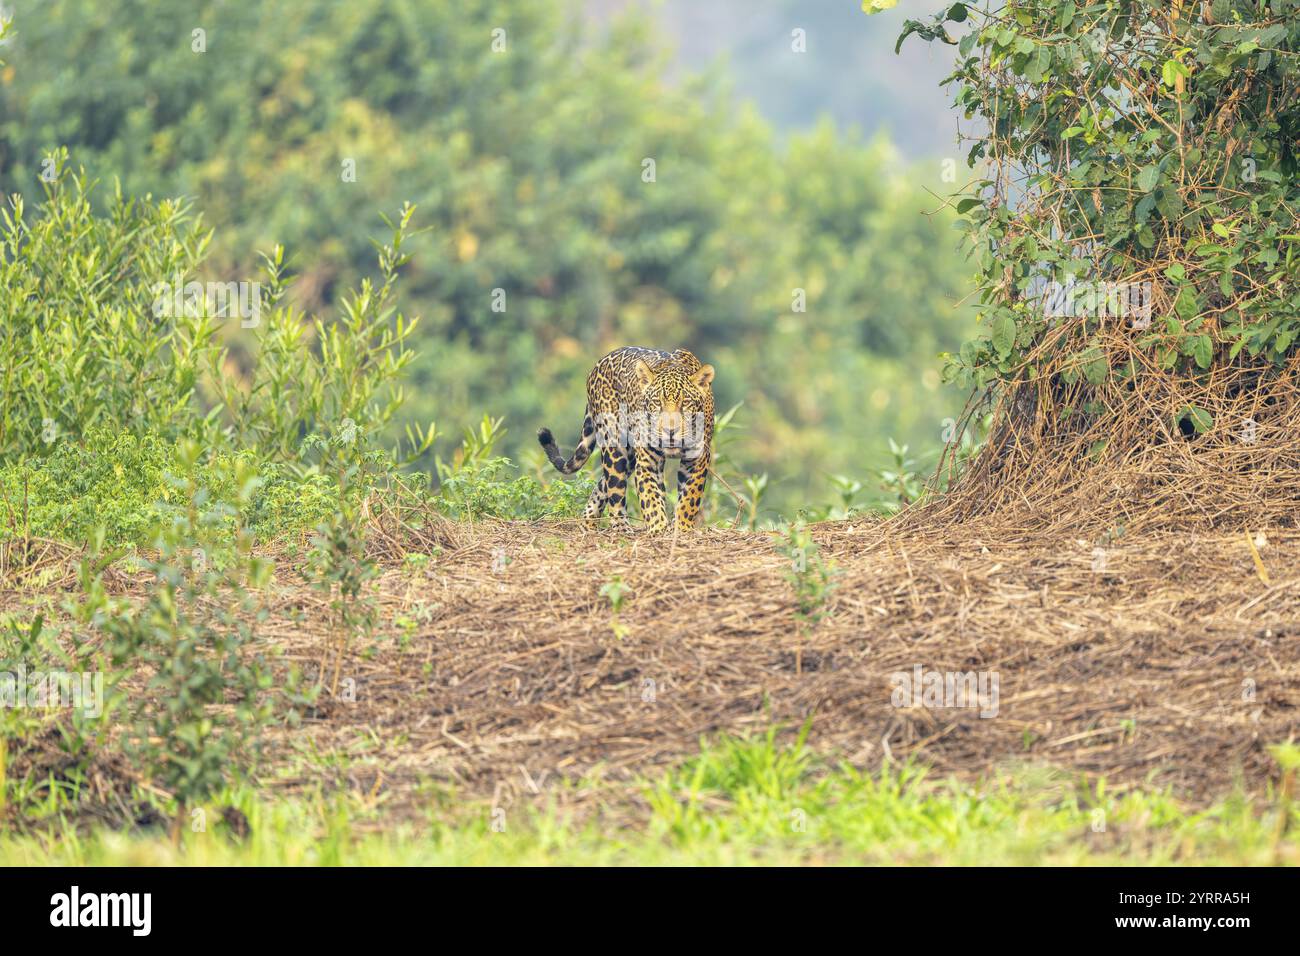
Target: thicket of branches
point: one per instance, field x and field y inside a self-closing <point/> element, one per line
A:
<point x="1133" y="218"/>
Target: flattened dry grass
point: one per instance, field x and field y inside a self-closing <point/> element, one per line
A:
<point x="1161" y="658"/>
<point x="1140" y="612"/>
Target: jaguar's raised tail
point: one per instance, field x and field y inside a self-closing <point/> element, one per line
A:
<point x="580" y="454"/>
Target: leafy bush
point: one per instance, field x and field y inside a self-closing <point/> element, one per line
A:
<point x="1142" y="144"/>
<point x="475" y="483"/>
<point x="114" y="480"/>
<point x="288" y="501"/>
<point x="488" y="490"/>
<point x="344" y="385"/>
<point x="130" y="487"/>
<point x="80" y="345"/>
<point x="210" y="690"/>
<point x="99" y="385"/>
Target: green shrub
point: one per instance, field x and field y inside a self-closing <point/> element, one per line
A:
<point x="131" y="486"/>
<point x="494" y="489"/>
<point x="1179" y="190"/>
<point x="98" y="386"/>
<point x="340" y="384"/>
<point x="476" y="483"/>
<point x="287" y="501"/>
<point x="194" y="636"/>
<point x="80" y="345"/>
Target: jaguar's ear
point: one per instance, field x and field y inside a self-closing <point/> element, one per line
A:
<point x="643" y="374"/>
<point x="703" y="377"/>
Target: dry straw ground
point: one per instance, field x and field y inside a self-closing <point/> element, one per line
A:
<point x="1168" y="658"/>
<point x="1158" y="657"/>
<point x="1161" y="658"/>
<point x="1132" y="580"/>
<point x="1141" y="613"/>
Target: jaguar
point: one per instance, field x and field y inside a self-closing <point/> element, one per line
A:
<point x="644" y="406"/>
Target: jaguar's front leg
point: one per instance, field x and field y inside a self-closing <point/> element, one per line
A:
<point x="650" y="488"/>
<point x="692" y="478"/>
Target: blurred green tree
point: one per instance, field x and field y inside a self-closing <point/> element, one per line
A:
<point x="575" y="202"/>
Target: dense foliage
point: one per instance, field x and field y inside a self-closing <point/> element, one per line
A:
<point x="79" y="343"/>
<point x="1129" y="154"/>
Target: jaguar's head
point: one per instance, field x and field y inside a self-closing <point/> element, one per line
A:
<point x="678" y="396"/>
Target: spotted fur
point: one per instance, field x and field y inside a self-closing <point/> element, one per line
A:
<point x="644" y="406"/>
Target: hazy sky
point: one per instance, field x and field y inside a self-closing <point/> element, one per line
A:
<point x="849" y="71"/>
